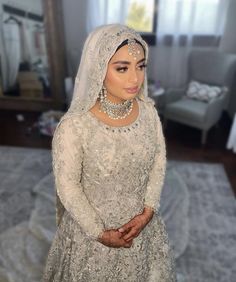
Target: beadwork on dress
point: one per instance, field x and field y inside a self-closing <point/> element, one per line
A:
<point x="104" y="176"/>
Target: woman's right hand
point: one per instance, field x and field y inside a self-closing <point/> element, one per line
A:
<point x="113" y="238"/>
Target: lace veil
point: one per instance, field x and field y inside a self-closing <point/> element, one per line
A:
<point x="98" y="49"/>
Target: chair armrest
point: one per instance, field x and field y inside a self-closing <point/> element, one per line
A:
<point x="214" y="109"/>
<point x="172" y="95"/>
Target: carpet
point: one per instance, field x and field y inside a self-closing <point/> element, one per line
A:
<point x="211" y="252"/>
<point x="20" y="170"/>
<point x="205" y="233"/>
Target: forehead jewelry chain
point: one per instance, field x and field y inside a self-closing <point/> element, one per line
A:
<point x="133" y="48"/>
<point x="114" y="111"/>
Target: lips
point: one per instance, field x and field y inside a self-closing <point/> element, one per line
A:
<point x="132" y="90"/>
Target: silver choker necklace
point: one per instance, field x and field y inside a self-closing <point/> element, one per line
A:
<point x="116" y="111"/>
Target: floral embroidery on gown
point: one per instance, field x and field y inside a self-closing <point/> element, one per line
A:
<point x="104" y="176"/>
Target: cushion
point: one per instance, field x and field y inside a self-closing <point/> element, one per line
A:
<point x="187" y="109"/>
<point x="204" y="92"/>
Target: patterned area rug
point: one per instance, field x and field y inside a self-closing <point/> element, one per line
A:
<point x="209" y="252"/>
<point x="20" y="170"/>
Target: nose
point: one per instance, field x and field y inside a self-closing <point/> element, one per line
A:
<point x="133" y="77"/>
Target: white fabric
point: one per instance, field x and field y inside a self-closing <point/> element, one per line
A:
<point x="102" y="12"/>
<point x="12" y="46"/>
<point x="231" y="144"/>
<point x="99" y="47"/>
<point x="204" y="92"/>
<point x="26" y="43"/>
<point x="191" y="17"/>
<point x="68" y="89"/>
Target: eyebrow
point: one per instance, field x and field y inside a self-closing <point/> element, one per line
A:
<point x="127" y="62"/>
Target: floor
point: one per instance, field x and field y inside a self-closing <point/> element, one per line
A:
<point x="21" y="133"/>
<point x="183" y="143"/>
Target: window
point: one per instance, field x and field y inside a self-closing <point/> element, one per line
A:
<point x="139" y="14"/>
<point x="142" y="17"/>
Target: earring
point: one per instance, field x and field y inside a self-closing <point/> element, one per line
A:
<point x="103" y="93"/>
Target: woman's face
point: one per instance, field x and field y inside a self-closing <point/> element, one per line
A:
<point x="125" y="74"/>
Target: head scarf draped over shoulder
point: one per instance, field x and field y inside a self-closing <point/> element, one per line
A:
<point x="99" y="47"/>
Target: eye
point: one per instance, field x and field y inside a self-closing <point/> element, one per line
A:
<point x="142" y="67"/>
<point x="122" y="69"/>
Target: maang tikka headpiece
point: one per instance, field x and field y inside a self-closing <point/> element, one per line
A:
<point x="133" y="48"/>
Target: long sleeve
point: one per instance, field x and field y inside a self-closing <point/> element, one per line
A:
<point x="67" y="153"/>
<point x="157" y="173"/>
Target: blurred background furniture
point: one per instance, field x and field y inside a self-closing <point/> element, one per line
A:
<point x="231" y="143"/>
<point x="28" y="46"/>
<point x="158" y="95"/>
<point x="213" y="68"/>
<point x="30" y="85"/>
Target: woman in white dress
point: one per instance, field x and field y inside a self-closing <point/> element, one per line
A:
<point x="109" y="162"/>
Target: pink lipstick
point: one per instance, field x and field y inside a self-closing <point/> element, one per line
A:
<point x="132" y="90"/>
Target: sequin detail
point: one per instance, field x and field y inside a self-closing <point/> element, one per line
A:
<point x="103" y="179"/>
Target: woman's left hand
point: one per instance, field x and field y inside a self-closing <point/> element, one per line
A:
<point x="132" y="229"/>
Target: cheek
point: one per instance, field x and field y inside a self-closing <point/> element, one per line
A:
<point x="141" y="77"/>
<point x="113" y="80"/>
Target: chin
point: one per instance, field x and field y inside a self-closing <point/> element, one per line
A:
<point x="131" y="97"/>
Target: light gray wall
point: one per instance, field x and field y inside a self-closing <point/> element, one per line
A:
<point x="74" y="13"/>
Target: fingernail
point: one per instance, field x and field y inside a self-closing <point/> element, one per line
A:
<point x="121" y="230"/>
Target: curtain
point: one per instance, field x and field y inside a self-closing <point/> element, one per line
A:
<point x="27" y="41"/>
<point x="179" y="22"/>
<point x="102" y="12"/>
<point x="11" y="36"/>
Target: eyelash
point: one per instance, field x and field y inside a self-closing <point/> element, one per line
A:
<point x="123" y="69"/>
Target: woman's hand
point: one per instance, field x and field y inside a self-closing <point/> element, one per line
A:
<point x="113" y="238"/>
<point x="132" y="229"/>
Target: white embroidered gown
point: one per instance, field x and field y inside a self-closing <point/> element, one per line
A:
<point x="104" y="176"/>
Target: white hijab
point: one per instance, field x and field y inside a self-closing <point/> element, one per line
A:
<point x="99" y="47"/>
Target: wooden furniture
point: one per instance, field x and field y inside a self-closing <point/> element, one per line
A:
<point x="29" y="84"/>
<point x="53" y="23"/>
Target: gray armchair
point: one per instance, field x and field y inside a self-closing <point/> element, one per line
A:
<point x="210" y="67"/>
